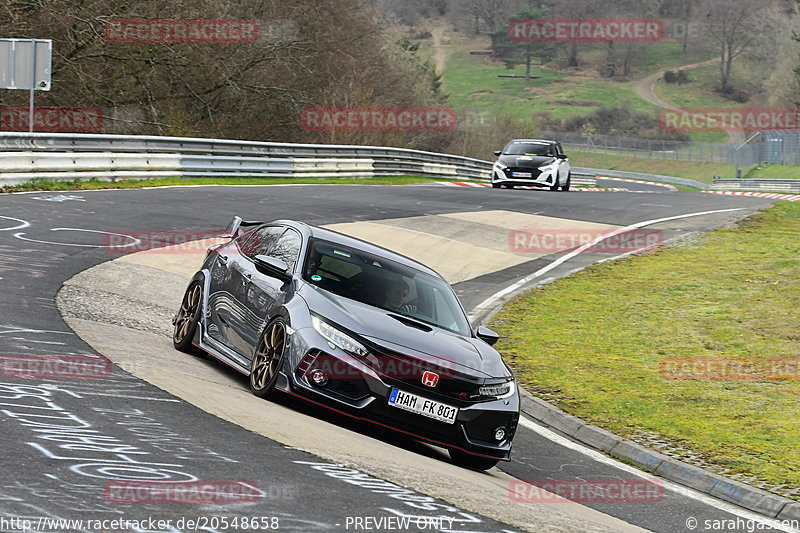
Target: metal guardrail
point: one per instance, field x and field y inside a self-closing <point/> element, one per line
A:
<point x="639" y="176"/>
<point x="758" y="184"/>
<point x="69" y="156"/>
<point x="24" y="156"/>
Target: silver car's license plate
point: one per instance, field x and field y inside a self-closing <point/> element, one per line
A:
<point x="423" y="406"/>
<point x="521" y="174"/>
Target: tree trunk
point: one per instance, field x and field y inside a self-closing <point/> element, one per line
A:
<point x="685" y="35"/>
<point x="723" y="74"/>
<point x="573" y="54"/>
<point x="528" y="72"/>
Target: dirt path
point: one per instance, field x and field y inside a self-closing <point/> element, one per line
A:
<point x="441" y="54"/>
<point x="646" y="89"/>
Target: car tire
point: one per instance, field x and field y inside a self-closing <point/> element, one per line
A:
<point x="495" y="185"/>
<point x="565" y="187"/>
<point x="509" y="186"/>
<point x="473" y="462"/>
<point x="554" y="186"/>
<point x="187" y="318"/>
<point x="268" y="359"/>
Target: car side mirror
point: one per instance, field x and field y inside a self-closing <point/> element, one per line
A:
<point x="498" y="152"/>
<point x="562" y="156"/>
<point x="272" y="266"/>
<point x="487" y="335"/>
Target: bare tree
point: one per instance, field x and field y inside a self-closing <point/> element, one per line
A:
<point x="252" y="90"/>
<point x="576" y="9"/>
<point x="488" y="14"/>
<point x="734" y="25"/>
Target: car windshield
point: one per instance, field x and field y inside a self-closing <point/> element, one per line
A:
<point x="520" y="148"/>
<point x="383" y="283"/>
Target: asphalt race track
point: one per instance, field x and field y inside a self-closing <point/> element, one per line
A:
<point x="64" y="442"/>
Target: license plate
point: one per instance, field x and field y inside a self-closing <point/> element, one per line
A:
<point x="423" y="406"/>
<point x="521" y="174"/>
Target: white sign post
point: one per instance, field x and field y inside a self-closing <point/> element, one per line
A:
<point x="26" y="64"/>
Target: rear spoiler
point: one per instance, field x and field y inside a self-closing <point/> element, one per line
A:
<point x="237" y="226"/>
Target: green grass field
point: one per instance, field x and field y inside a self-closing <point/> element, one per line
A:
<point x="474" y="90"/>
<point x="594" y="344"/>
<point x="473" y="85"/>
<point x="669" y="55"/>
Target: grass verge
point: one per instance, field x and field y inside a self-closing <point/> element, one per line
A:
<point x="594" y="344"/>
<point x="44" y="185"/>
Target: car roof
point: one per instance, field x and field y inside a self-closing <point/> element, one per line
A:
<point x="316" y="232"/>
<point x="538" y="141"/>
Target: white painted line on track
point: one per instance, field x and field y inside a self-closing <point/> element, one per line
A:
<point x="134" y="240"/>
<point x="22" y="223"/>
<point x="674" y="487"/>
<point x="492" y="300"/>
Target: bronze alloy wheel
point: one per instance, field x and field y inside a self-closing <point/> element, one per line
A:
<point x="267" y="359"/>
<point x="187" y="318"/>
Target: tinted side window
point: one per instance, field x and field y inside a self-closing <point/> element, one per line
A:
<point x="260" y="240"/>
<point x="287" y="248"/>
<point x="245" y="241"/>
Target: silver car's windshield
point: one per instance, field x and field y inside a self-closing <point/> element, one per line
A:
<point x="383" y="283"/>
<point x="520" y="148"/>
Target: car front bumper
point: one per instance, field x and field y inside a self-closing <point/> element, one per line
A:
<point x="535" y="177"/>
<point x="362" y="393"/>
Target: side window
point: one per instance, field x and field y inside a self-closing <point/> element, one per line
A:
<point x="559" y="149"/>
<point x="262" y="241"/>
<point x="245" y="241"/>
<point x="287" y="248"/>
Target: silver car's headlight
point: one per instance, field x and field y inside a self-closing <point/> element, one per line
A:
<point x="500" y="166"/>
<point x="337" y="338"/>
<point x="501" y="390"/>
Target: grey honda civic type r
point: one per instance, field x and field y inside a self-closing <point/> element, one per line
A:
<point x="355" y="328"/>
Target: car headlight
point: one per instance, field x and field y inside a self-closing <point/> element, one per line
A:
<point x="337" y="338"/>
<point x="500" y="166"/>
<point x="500" y="390"/>
<point x="548" y="166"/>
